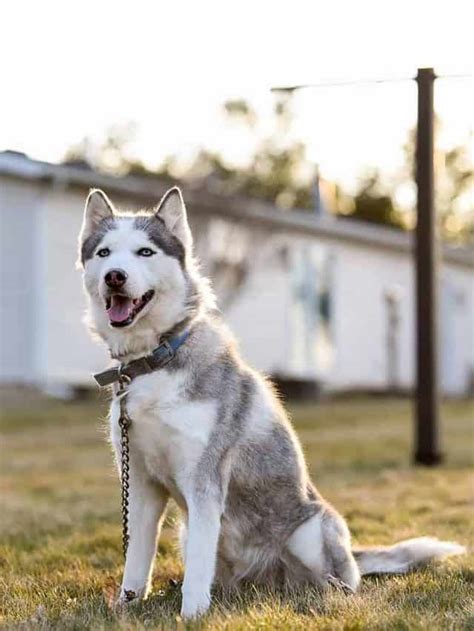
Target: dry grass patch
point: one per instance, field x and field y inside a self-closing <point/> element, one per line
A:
<point x="60" y="526"/>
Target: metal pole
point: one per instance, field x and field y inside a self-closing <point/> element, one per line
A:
<point x="427" y="396"/>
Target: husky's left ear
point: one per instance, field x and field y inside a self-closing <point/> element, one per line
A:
<point x="173" y="212"/>
<point x="98" y="207"/>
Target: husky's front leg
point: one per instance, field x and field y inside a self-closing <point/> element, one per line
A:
<point x="146" y="509"/>
<point x="204" y="514"/>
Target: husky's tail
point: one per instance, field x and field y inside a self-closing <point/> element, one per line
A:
<point x="404" y="556"/>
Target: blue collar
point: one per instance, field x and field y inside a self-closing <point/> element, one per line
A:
<point x="158" y="358"/>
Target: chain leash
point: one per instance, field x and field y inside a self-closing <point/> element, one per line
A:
<point x="124" y="424"/>
<point x="123" y="375"/>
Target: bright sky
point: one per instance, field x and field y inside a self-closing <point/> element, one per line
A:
<point x="73" y="69"/>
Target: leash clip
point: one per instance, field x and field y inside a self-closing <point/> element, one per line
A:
<point x="123" y="379"/>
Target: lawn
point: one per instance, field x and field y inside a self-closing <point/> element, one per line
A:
<point x="60" y="555"/>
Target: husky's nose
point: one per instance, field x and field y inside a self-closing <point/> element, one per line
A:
<point x="115" y="278"/>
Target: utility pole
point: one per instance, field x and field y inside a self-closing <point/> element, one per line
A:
<point x="426" y="255"/>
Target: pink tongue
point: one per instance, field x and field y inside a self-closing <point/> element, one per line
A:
<point x="120" y="308"/>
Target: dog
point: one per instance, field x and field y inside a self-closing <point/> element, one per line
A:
<point x="207" y="430"/>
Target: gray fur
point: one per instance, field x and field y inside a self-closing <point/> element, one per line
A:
<point x="250" y="474"/>
<point x="404" y="556"/>
<point x="265" y="491"/>
<point x="152" y="225"/>
<point x="158" y="233"/>
<point x="90" y="244"/>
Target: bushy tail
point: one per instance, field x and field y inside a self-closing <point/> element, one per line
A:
<point x="404" y="556"/>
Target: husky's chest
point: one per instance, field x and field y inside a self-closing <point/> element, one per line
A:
<point x="169" y="432"/>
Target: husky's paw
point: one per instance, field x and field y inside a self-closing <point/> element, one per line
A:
<point x="339" y="584"/>
<point x="194" y="604"/>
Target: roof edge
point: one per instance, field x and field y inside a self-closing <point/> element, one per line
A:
<point x="149" y="190"/>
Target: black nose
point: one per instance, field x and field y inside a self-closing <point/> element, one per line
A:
<point x="115" y="278"/>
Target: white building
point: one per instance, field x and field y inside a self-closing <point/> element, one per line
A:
<point x="309" y="298"/>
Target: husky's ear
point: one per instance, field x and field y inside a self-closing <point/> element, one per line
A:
<point x="98" y="207"/>
<point x="173" y="212"/>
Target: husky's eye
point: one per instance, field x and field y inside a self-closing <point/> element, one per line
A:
<point x="145" y="252"/>
<point x="103" y="252"/>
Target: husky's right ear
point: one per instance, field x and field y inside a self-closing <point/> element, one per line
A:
<point x="172" y="211"/>
<point x="98" y="207"/>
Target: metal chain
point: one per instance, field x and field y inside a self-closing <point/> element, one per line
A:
<point x="124" y="423"/>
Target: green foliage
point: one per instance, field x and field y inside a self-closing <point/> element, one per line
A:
<point x="278" y="170"/>
<point x="109" y="154"/>
<point x="454" y="190"/>
<point x="370" y="204"/>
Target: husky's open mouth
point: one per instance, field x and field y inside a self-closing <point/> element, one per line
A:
<point x="122" y="310"/>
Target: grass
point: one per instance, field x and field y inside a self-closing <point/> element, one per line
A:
<point x="60" y="556"/>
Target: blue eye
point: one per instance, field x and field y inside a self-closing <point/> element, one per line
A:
<point x="103" y="252"/>
<point x="145" y="252"/>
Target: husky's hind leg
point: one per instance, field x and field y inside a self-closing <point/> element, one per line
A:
<point x="322" y="544"/>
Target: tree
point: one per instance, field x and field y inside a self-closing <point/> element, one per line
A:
<point x="110" y="154"/>
<point x="373" y="205"/>
<point x="278" y="170"/>
<point x="454" y="192"/>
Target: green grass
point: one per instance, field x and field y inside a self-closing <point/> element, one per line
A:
<point x="60" y="524"/>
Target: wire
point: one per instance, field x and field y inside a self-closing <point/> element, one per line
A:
<point x="333" y="84"/>
<point x="455" y="76"/>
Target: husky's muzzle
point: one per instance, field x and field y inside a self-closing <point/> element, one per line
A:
<point x="122" y="309"/>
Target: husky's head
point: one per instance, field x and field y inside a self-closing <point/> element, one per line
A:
<point x="138" y="271"/>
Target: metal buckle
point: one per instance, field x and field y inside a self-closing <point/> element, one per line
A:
<point x="123" y="379"/>
<point x="160" y="357"/>
<point x="106" y="377"/>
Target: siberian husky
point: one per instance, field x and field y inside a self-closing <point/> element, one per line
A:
<point x="207" y="430"/>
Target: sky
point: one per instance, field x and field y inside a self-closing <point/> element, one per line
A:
<point x="74" y="69"/>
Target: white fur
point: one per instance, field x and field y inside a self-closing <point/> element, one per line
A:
<point x="167" y="439"/>
<point x="98" y="207"/>
<point x="311" y="544"/>
<point x="170" y="434"/>
<point x="159" y="272"/>
<point x="307" y="542"/>
<point x="406" y="555"/>
<point x="173" y="212"/>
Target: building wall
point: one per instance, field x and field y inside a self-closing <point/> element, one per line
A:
<point x="43" y="338"/>
<point x="259" y="316"/>
<point x="456" y="330"/>
<point x="69" y="353"/>
<point x="21" y="281"/>
<point x="365" y="277"/>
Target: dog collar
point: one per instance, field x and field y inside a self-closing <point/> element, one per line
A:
<point x="157" y="359"/>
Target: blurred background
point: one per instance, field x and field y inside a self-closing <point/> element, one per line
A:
<point x="302" y="201"/>
<point x="292" y="131"/>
